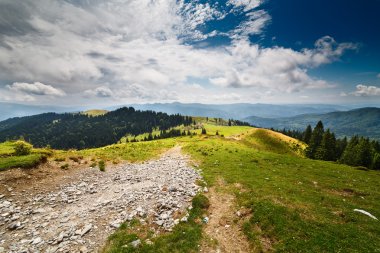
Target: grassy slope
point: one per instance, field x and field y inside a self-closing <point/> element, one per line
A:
<point x="297" y="204"/>
<point x="94" y="112"/>
<point x="8" y="160"/>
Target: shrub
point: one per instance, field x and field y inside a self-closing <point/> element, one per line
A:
<point x="22" y="148"/>
<point x="93" y="165"/>
<point x="65" y="166"/>
<point x="102" y="165"/>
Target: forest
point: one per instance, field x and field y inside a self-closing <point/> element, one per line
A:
<point x="79" y="131"/>
<point x="323" y="145"/>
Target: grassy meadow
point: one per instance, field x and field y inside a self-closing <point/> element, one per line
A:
<point x="9" y="160"/>
<point x="294" y="204"/>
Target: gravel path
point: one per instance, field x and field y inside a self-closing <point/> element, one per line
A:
<point x="80" y="215"/>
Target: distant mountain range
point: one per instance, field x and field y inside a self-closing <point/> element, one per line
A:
<point x="363" y="122"/>
<point x="344" y="120"/>
<point x="240" y="111"/>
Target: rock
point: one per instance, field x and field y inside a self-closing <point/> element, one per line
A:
<point x="164" y="216"/>
<point x="149" y="242"/>
<point x="135" y="243"/>
<point x="36" y="240"/>
<point x="238" y="213"/>
<point x="86" y="229"/>
<point x="2" y="250"/>
<point x="205" y="189"/>
<point x="14" y="225"/>
<point x="83" y="249"/>
<point x="115" y="223"/>
<point x="205" y="220"/>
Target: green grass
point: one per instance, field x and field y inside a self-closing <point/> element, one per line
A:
<point x="27" y="161"/>
<point x="6" y="148"/>
<point x="8" y="160"/>
<point x="95" y="112"/>
<point x="133" y="152"/>
<point x="300" y="205"/>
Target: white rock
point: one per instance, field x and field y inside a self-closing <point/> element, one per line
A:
<point x="135" y="243"/>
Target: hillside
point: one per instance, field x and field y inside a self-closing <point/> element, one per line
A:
<point x="363" y="122"/>
<point x="257" y="194"/>
<point x="241" y="110"/>
<point x="64" y="131"/>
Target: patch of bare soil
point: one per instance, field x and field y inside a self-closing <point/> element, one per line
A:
<point x="223" y="231"/>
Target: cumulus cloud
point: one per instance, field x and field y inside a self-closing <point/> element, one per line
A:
<point x="143" y="50"/>
<point x="36" y="88"/>
<point x="247" y="5"/>
<point x="365" y="91"/>
<point x="102" y="92"/>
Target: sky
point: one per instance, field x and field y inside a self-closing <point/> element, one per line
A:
<point x="109" y="52"/>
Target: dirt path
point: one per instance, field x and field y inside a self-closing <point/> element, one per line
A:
<point x="78" y="213"/>
<point x="224" y="235"/>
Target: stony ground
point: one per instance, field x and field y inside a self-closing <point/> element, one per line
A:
<point x="79" y="214"/>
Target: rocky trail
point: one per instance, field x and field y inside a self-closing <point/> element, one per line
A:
<point x="79" y="213"/>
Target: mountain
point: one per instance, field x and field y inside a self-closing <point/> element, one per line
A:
<point x="11" y="110"/>
<point x="241" y="110"/>
<point x="363" y="122"/>
<point x="77" y="130"/>
<point x="233" y="111"/>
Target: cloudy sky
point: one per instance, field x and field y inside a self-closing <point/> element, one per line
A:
<point x="110" y="52"/>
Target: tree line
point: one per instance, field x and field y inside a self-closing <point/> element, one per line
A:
<point x="323" y="145"/>
<point x="79" y="131"/>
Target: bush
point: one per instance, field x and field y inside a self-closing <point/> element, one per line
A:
<point x="65" y="166"/>
<point x="102" y="165"/>
<point x="22" y="148"/>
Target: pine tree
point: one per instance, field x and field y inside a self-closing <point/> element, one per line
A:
<point x="315" y="140"/>
<point x="348" y="156"/>
<point x="376" y="162"/>
<point x="363" y="153"/>
<point x="307" y="134"/>
<point x="341" y="145"/>
<point x="204" y="131"/>
<point x="327" y="150"/>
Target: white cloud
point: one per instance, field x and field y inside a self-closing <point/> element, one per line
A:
<point x="365" y="91"/>
<point x="378" y="75"/>
<point x="102" y="92"/>
<point x="141" y="51"/>
<point x="36" y="88"/>
<point x="247" y="5"/>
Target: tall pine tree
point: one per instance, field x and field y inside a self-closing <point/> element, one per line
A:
<point x="307" y="134"/>
<point x="315" y="140"/>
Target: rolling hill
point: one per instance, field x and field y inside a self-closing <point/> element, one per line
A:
<point x="91" y="129"/>
<point x="363" y="122"/>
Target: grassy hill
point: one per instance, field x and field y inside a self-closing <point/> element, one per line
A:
<point x="363" y="122"/>
<point x="290" y="203"/>
<point x="95" y="112"/>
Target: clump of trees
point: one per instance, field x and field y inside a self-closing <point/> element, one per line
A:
<point x="323" y="145"/>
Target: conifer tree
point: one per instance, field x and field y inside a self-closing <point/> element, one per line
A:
<point x="327" y="150"/>
<point x="307" y="134"/>
<point x="376" y="162"/>
<point x="315" y="140"/>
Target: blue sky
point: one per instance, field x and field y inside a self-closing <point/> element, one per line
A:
<point x="102" y="53"/>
